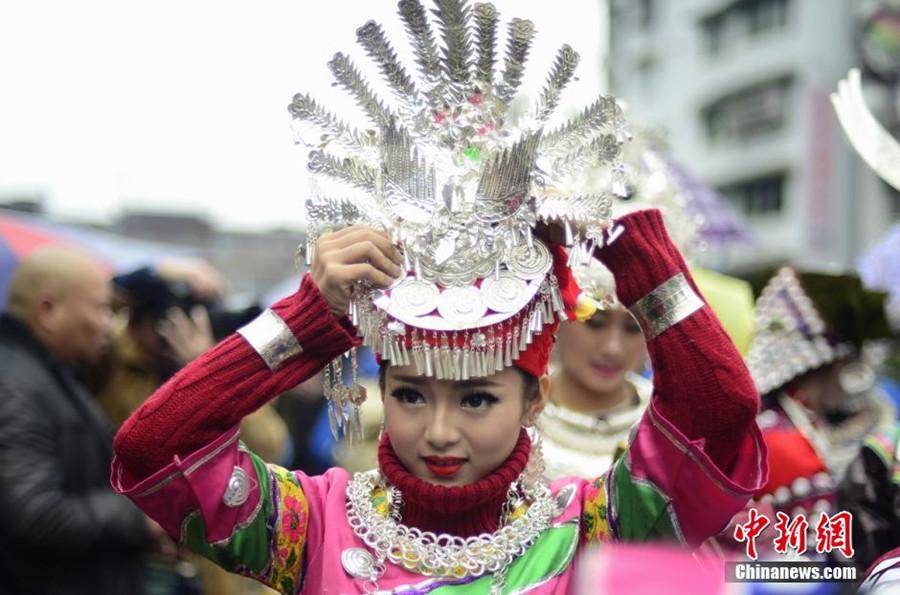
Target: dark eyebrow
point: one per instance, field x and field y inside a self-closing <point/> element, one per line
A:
<point x="417" y="380"/>
<point x="476" y="383"/>
<point x="460" y="384"/>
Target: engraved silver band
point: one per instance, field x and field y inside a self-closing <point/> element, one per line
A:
<point x="665" y="306"/>
<point x="270" y="336"/>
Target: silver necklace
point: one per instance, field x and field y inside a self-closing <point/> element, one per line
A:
<point x="443" y="555"/>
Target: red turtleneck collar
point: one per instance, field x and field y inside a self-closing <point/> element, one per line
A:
<point x="459" y="510"/>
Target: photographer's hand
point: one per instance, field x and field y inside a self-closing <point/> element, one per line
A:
<point x="187" y="337"/>
<point x="206" y="282"/>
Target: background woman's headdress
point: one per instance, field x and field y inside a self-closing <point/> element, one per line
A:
<point x="805" y="320"/>
<point x="460" y="182"/>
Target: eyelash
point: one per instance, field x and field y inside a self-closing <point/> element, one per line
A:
<point x="409" y="396"/>
<point x="487" y="399"/>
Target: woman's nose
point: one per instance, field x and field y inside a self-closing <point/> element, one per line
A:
<point x="612" y="341"/>
<point x="442" y="430"/>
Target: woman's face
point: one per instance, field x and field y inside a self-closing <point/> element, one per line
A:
<point x="599" y="352"/>
<point x="453" y="433"/>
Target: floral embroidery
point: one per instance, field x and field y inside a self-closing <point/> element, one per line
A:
<point x="290" y="524"/>
<point x="293" y="519"/>
<point x="380" y="501"/>
<point x="595" y="519"/>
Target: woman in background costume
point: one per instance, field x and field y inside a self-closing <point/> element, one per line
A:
<point x="819" y="399"/>
<point x="463" y="317"/>
<point x="596" y="391"/>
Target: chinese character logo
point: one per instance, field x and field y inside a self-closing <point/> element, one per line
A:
<point x="791" y="533"/>
<point x="835" y="533"/>
<point x="750" y="530"/>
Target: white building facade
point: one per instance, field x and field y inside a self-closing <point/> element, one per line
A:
<point x="742" y="87"/>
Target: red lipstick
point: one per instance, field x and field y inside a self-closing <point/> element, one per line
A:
<point x="608" y="371"/>
<point x="444" y="466"/>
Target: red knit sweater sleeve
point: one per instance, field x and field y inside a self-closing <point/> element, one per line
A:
<point x="700" y="382"/>
<point x="214" y="392"/>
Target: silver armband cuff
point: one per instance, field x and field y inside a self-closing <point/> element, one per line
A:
<point x="270" y="336"/>
<point x="665" y="306"/>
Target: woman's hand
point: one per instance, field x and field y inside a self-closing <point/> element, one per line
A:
<point x="356" y="253"/>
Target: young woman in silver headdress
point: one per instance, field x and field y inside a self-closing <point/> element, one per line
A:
<point x="596" y="395"/>
<point x="463" y="318"/>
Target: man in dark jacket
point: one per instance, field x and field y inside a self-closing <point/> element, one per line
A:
<point x="62" y="528"/>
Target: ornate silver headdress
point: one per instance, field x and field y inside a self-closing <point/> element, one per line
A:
<point x="790" y="337"/>
<point x="460" y="183"/>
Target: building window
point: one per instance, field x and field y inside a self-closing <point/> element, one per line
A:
<point x="713" y="30"/>
<point x="748" y="113"/>
<point x="742" y="19"/>
<point x="763" y="195"/>
<point x="646" y="13"/>
<point x="764" y="15"/>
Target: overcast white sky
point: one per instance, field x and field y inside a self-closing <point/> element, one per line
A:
<point x="181" y="105"/>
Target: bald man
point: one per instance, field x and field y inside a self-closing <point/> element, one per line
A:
<point x="62" y="528"/>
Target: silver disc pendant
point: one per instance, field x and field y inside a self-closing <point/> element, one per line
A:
<point x="461" y="304"/>
<point x="415" y="297"/>
<point x="529" y="263"/>
<point x="564" y="497"/>
<point x="358" y="562"/>
<point x="238" y="489"/>
<point x="504" y="294"/>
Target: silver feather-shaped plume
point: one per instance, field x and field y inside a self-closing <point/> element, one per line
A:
<point x="372" y="38"/>
<point x="334" y="212"/>
<point x="563" y="69"/>
<point x="306" y="109"/>
<point x="453" y="21"/>
<point x="347" y="170"/>
<point x="346" y="75"/>
<point x="508" y="175"/>
<point x="604" y="149"/>
<point x="408" y="181"/>
<point x="486" y="41"/>
<point x="521" y="33"/>
<point x="425" y="49"/>
<point x="600" y="115"/>
<point x="578" y="209"/>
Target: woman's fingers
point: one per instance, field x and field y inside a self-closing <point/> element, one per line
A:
<point x="350" y="255"/>
<point x="368" y="252"/>
<point x="367" y="272"/>
<point x="357" y="235"/>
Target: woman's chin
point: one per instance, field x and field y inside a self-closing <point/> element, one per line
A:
<point x="604" y="385"/>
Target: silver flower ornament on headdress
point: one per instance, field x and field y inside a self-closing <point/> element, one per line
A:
<point x="460" y="184"/>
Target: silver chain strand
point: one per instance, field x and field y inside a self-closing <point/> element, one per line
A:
<point x="443" y="555"/>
